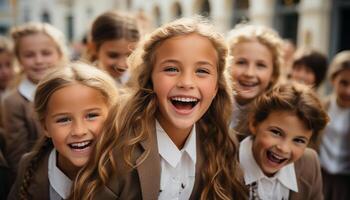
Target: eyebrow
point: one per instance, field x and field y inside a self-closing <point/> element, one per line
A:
<point x="67" y="113"/>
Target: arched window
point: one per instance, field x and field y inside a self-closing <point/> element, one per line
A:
<point x="205" y="8"/>
<point x="286" y="19"/>
<point x="157" y="16"/>
<point x="176" y="10"/>
<point x="240" y="11"/>
<point x="45" y="17"/>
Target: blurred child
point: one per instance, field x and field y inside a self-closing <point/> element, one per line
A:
<point x="6" y="63"/>
<point x="276" y="163"/>
<point x="288" y="47"/>
<point x="309" y="67"/>
<point x="335" y="142"/>
<point x="72" y="104"/>
<point x="170" y="137"/>
<point x="113" y="37"/>
<point x="6" y="75"/>
<point x="37" y="47"/>
<point x="257" y="59"/>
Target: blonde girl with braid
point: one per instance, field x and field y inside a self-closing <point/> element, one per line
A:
<point x="170" y="137"/>
<point x="72" y="103"/>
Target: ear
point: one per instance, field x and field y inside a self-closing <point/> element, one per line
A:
<point x="91" y="46"/>
<point x="44" y="128"/>
<point x="252" y="127"/>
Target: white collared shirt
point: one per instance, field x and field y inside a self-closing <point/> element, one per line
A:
<point x="177" y="166"/>
<point x="334" y="149"/>
<point x="271" y="188"/>
<point x="60" y="184"/>
<point x="27" y="89"/>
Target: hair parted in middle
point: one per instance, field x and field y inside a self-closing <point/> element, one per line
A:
<point x="68" y="74"/>
<point x="134" y="120"/>
<point x="264" y="35"/>
<point x="33" y="28"/>
<point x="112" y="25"/>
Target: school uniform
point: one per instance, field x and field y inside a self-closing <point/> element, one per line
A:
<point x="48" y="181"/>
<point x="335" y="153"/>
<point x="299" y="180"/>
<point x="148" y="180"/>
<point x="4" y="169"/>
<point x="21" y="126"/>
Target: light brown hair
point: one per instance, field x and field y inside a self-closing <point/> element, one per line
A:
<point x="134" y="120"/>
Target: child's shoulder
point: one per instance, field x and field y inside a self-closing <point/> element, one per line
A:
<point x="308" y="166"/>
<point x="13" y="98"/>
<point x="310" y="156"/>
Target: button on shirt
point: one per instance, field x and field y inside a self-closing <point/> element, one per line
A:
<point x="177" y="166"/>
<point x="268" y="188"/>
<point x="60" y="184"/>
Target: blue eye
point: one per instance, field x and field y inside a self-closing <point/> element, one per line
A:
<point x="171" y="69"/>
<point x="63" y="120"/>
<point x="202" y="71"/>
<point x="92" y="116"/>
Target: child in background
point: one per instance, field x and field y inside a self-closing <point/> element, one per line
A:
<point x="6" y="75"/>
<point x="113" y="37"/>
<point x="275" y="159"/>
<point x="72" y="103"/>
<point x="6" y="63"/>
<point x="37" y="47"/>
<point x="309" y="67"/>
<point x="334" y="150"/>
<point x="170" y="138"/>
<point x="257" y="59"/>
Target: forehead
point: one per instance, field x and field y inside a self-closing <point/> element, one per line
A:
<point x="287" y="121"/>
<point x="36" y="40"/>
<point x="189" y="45"/>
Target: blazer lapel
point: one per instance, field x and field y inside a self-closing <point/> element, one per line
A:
<point x="199" y="163"/>
<point x="149" y="169"/>
<point x="40" y="185"/>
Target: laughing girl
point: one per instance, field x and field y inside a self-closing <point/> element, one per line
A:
<point x="72" y="104"/>
<point x="276" y="163"/>
<point x="257" y="59"/>
<point x="170" y="139"/>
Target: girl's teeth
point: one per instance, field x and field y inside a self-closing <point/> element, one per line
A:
<point x="184" y="99"/>
<point x="80" y="144"/>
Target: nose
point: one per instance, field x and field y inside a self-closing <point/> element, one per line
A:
<point x="250" y="70"/>
<point x="38" y="58"/>
<point x="79" y="128"/>
<point x="122" y="62"/>
<point x="186" y="80"/>
<point x="284" y="147"/>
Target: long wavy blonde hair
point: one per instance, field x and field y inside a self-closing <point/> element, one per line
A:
<point x="133" y="121"/>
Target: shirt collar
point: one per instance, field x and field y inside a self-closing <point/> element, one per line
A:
<point x="27" y="89"/>
<point x="58" y="180"/>
<point x="253" y="173"/>
<point x="169" y="151"/>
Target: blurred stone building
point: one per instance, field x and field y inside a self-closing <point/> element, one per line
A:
<point x="320" y="24"/>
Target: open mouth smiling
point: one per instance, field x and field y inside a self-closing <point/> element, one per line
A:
<point x="275" y="158"/>
<point x="186" y="103"/>
<point x="80" y="146"/>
